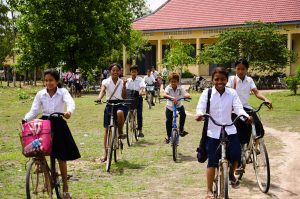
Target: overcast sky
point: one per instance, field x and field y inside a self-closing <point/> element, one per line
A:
<point x="154" y="4"/>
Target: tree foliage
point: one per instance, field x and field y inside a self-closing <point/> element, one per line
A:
<point x="6" y="33"/>
<point x="258" y="42"/>
<point x="178" y="55"/>
<point x="79" y="33"/>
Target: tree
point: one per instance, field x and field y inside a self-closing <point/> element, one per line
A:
<point x="293" y="81"/>
<point x="178" y="55"/>
<point x="137" y="45"/>
<point x="258" y="42"/>
<point x="79" y="33"/>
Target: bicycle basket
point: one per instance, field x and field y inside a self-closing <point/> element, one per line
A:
<point x="36" y="138"/>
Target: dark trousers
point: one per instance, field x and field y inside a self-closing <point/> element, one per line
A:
<point x="169" y="120"/>
<point x="139" y="112"/>
<point x="244" y="130"/>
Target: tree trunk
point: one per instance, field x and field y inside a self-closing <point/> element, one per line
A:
<point x="34" y="76"/>
<point x="14" y="77"/>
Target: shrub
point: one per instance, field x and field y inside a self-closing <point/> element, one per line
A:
<point x="187" y="74"/>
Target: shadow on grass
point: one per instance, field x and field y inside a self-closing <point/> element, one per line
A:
<point x="250" y="184"/>
<point x="186" y="158"/>
<point x="142" y="143"/>
<point x="121" y="165"/>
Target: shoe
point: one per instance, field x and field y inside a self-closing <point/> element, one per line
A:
<point x="167" y="140"/>
<point x="239" y="170"/>
<point x="66" y="195"/>
<point x="183" y="133"/>
<point x="141" y="135"/>
<point x="235" y="183"/>
<point x="122" y="136"/>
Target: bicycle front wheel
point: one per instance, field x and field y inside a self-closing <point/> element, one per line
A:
<point x="174" y="139"/>
<point x="225" y="179"/>
<point x="38" y="182"/>
<point x="262" y="167"/>
<point x="150" y="100"/>
<point x="128" y="129"/>
<point x="110" y="146"/>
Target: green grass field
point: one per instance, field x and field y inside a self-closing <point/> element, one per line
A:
<point x="145" y="170"/>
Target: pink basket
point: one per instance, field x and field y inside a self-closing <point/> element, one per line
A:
<point x="36" y="138"/>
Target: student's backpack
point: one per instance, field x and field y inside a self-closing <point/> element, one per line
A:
<point x="201" y="150"/>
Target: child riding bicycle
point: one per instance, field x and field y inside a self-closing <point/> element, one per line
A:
<point x="149" y="81"/>
<point x="53" y="99"/>
<point x="243" y="85"/>
<point x="222" y="101"/>
<point x="134" y="88"/>
<point x="115" y="90"/>
<point x="174" y="91"/>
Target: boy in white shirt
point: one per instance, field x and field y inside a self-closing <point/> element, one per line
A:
<point x="174" y="91"/>
<point x="222" y="101"/>
<point x="134" y="88"/>
<point x="149" y="81"/>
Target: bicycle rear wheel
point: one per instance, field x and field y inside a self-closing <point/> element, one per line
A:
<point x="38" y="181"/>
<point x="110" y="146"/>
<point x="174" y="142"/>
<point x="262" y="167"/>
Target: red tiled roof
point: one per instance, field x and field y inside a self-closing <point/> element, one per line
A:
<point x="180" y="14"/>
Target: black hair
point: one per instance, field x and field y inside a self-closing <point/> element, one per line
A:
<point x="220" y="70"/>
<point x="134" y="67"/>
<point x="54" y="73"/>
<point x="114" y="64"/>
<point x="242" y="61"/>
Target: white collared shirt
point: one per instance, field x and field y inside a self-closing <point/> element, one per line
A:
<point x="154" y="74"/>
<point x="178" y="93"/>
<point x="149" y="80"/>
<point x="135" y="84"/>
<point x="56" y="103"/>
<point x="243" y="88"/>
<point x="220" y="109"/>
<point x="110" y="87"/>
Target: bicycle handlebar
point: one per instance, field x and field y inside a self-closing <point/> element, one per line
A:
<point x="224" y="125"/>
<point x="257" y="110"/>
<point x="179" y="99"/>
<point x="113" y="104"/>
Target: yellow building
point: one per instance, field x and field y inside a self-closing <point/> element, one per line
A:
<point x="199" y="22"/>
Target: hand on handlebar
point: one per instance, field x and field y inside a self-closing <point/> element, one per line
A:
<point x="249" y="120"/>
<point x="67" y="115"/>
<point x="200" y="118"/>
<point x="269" y="104"/>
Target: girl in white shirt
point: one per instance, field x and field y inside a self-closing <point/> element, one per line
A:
<point x="222" y="101"/>
<point x="53" y="99"/>
<point x="109" y="85"/>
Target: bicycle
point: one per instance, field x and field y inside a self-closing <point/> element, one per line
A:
<point x="175" y="131"/>
<point x="131" y="127"/>
<point x="260" y="160"/>
<point x="221" y="180"/>
<point x="113" y="142"/>
<point x="42" y="179"/>
<point x="150" y="89"/>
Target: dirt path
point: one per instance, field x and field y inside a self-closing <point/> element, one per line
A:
<point x="284" y="155"/>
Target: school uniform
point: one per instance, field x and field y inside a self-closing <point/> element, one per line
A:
<point x="133" y="88"/>
<point x="115" y="98"/>
<point x="179" y="92"/>
<point x="220" y="109"/>
<point x="63" y="144"/>
<point x="243" y="89"/>
<point x="149" y="80"/>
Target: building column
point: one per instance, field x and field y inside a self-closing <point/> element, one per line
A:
<point x="159" y="54"/>
<point x="124" y="61"/>
<point x="198" y="49"/>
<point x="289" y="46"/>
